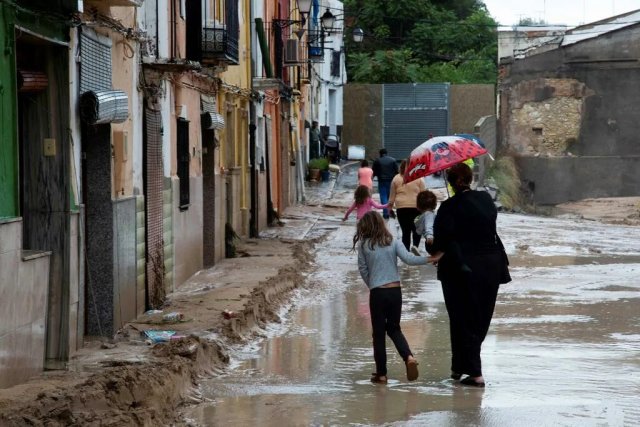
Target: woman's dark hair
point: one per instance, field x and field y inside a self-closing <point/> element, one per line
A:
<point x="364" y="164"/>
<point x="361" y="194"/>
<point x="426" y="201"/>
<point x="402" y="169"/>
<point x="372" y="227"/>
<point x="460" y="177"/>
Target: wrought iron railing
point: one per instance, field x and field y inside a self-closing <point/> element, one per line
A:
<point x="219" y="44"/>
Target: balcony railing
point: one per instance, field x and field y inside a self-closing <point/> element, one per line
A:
<point x="219" y="45"/>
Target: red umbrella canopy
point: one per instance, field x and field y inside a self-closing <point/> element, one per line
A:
<point x="440" y="153"/>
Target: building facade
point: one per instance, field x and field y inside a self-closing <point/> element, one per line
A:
<point x="136" y="137"/>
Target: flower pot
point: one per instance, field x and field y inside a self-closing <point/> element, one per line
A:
<point x="314" y="174"/>
<point x="325" y="174"/>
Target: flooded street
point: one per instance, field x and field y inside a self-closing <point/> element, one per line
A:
<point x="563" y="348"/>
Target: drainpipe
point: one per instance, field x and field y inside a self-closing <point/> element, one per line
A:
<point x="253" y="214"/>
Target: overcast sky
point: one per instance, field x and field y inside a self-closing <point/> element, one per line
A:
<point x="568" y="12"/>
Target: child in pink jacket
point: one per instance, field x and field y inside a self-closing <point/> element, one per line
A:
<point x="363" y="203"/>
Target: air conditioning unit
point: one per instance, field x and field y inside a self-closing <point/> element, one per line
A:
<point x="291" y="52"/>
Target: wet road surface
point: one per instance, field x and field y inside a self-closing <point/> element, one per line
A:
<point x="563" y="348"/>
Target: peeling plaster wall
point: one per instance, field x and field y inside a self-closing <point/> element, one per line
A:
<point x="546" y="116"/>
<point x="577" y="103"/>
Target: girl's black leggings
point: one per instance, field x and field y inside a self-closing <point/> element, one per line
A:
<point x="385" y="305"/>
<point x="406" y="216"/>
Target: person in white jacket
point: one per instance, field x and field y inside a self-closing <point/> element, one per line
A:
<point x="426" y="203"/>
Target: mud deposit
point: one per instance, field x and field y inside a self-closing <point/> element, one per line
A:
<point x="128" y="382"/>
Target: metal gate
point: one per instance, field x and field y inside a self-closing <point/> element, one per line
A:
<point x="153" y="182"/>
<point x="412" y="113"/>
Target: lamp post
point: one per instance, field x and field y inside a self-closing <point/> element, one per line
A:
<point x="328" y="20"/>
<point x="358" y="35"/>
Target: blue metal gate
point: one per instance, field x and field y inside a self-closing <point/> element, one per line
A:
<point x="412" y="112"/>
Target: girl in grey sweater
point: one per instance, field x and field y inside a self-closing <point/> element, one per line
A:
<point x="377" y="261"/>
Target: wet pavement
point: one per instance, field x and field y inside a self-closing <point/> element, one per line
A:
<point x="563" y="348"/>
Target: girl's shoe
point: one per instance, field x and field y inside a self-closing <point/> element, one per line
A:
<point x="472" y="382"/>
<point x="415" y="251"/>
<point x="378" y="379"/>
<point x="412" y="369"/>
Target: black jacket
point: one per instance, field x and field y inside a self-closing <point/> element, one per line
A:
<point x="385" y="168"/>
<point x="465" y="230"/>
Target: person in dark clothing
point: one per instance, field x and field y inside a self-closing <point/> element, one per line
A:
<point x="384" y="168"/>
<point x="471" y="265"/>
<point x="316" y="141"/>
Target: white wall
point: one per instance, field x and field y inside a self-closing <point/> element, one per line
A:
<point x="328" y="109"/>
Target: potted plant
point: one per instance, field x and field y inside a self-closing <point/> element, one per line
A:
<point x="324" y="170"/>
<point x="316" y="166"/>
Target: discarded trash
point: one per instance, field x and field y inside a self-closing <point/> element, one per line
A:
<point x="177" y="337"/>
<point x="174" y="316"/>
<point x="159" y="336"/>
<point x="153" y="312"/>
<point x="228" y="314"/>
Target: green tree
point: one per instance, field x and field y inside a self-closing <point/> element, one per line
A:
<point x="422" y="41"/>
<point x="390" y="66"/>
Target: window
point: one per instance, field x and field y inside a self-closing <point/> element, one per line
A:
<point x="335" y="63"/>
<point x="183" y="162"/>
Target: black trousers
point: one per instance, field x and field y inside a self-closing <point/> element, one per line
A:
<point x="406" y="216"/>
<point x="470" y="299"/>
<point x="385" y="305"/>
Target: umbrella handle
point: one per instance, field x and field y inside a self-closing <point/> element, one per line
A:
<point x="446" y="183"/>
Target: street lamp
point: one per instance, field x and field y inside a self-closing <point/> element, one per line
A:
<point x="328" y="20"/>
<point x="304" y="6"/>
<point x="358" y="35"/>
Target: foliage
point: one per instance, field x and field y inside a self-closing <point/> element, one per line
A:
<point x="422" y="41"/>
<point x="532" y="22"/>
<point x="390" y="66"/>
<point x="319" y="163"/>
<point x="505" y="174"/>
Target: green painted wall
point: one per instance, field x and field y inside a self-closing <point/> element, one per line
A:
<point x="27" y="14"/>
<point x="8" y="119"/>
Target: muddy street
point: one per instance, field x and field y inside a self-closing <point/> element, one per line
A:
<point x="563" y="348"/>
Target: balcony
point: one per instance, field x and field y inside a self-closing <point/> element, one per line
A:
<point x="61" y="6"/>
<point x="219" y="45"/>
<point x="109" y="3"/>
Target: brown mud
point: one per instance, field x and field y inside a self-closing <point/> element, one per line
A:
<point x="129" y="382"/>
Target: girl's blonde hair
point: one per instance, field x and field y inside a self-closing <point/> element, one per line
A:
<point x="361" y="194"/>
<point x="372" y="227"/>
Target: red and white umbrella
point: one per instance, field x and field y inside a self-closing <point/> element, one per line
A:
<point x="440" y="153"/>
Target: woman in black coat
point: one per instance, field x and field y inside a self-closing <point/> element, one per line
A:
<point x="471" y="264"/>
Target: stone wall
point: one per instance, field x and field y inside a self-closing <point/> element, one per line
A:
<point x="555" y="180"/>
<point x="570" y="116"/>
<point x="546" y="115"/>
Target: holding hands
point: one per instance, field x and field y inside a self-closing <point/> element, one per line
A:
<point x="435" y="258"/>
